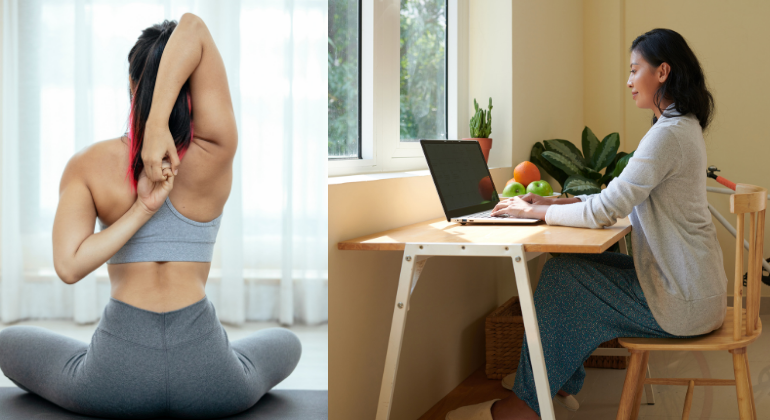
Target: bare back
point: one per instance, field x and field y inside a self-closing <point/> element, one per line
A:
<point x="200" y="192"/>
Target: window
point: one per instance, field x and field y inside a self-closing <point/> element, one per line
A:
<point x="423" y="70"/>
<point x="407" y="83"/>
<point x="344" y="79"/>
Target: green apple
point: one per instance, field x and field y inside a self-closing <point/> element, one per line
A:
<point x="513" y="189"/>
<point x="540" y="188"/>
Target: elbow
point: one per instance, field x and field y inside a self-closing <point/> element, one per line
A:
<point x="602" y="221"/>
<point x="190" y="19"/>
<point x="69" y="278"/>
<point x="65" y="275"/>
<point x="606" y="223"/>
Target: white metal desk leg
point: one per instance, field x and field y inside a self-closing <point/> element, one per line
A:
<point x="396" y="332"/>
<point x="648" y="395"/>
<point x="532" y="330"/>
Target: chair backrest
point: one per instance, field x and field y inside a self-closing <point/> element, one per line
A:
<point x="751" y="200"/>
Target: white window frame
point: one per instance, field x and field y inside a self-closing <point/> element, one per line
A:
<point x="381" y="146"/>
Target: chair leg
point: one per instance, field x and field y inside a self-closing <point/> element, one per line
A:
<point x="648" y="391"/>
<point x="629" y="396"/>
<point x="640" y="386"/>
<point x="751" y="387"/>
<point x="742" y="384"/>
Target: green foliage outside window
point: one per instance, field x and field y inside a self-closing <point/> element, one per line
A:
<point x="343" y="61"/>
<point x="423" y="70"/>
<point x="422" y="84"/>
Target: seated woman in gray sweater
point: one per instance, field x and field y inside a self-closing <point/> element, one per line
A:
<point x="675" y="284"/>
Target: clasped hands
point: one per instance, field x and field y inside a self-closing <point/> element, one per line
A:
<point x="161" y="163"/>
<point x="527" y="206"/>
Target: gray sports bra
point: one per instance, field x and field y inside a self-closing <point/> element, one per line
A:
<point x="169" y="236"/>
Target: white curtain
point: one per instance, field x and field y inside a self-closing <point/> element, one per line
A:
<point x="64" y="78"/>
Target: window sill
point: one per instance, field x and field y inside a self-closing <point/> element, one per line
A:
<point x="378" y="176"/>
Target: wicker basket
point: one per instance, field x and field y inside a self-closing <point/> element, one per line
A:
<point x="608" y="362"/>
<point x="504" y="331"/>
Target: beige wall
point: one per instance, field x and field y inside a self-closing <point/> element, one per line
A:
<point x="604" y="67"/>
<point x="489" y="67"/>
<point x="444" y="336"/>
<point x="731" y="40"/>
<point x="547" y="73"/>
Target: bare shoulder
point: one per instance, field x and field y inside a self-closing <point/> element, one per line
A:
<point x="92" y="159"/>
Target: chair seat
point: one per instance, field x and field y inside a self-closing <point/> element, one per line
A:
<point x="720" y="339"/>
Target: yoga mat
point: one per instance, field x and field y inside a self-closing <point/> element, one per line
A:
<point x="17" y="404"/>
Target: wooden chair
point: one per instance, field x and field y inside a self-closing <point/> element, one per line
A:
<point x="734" y="335"/>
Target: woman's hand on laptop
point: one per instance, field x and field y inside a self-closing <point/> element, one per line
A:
<point x="536" y="199"/>
<point x="521" y="209"/>
<point x="547" y="201"/>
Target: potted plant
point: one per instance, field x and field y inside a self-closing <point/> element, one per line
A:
<point x="481" y="127"/>
<point x="579" y="173"/>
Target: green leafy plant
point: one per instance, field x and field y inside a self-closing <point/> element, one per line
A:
<point x="481" y="122"/>
<point x="579" y="173"/>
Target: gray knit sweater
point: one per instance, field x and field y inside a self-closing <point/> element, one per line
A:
<point x="676" y="253"/>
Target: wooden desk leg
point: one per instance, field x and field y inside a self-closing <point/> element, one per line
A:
<point x="396" y="332"/>
<point x="532" y="330"/>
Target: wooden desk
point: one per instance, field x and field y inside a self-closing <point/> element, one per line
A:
<point x="521" y="243"/>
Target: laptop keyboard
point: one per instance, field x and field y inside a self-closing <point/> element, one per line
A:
<point x="484" y="215"/>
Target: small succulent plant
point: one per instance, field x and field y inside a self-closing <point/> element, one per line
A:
<point x="481" y="122"/>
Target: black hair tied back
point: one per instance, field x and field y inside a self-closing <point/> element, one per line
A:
<point x="686" y="84"/>
<point x="143" y="64"/>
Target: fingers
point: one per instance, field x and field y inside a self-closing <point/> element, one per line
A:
<point x="168" y="177"/>
<point x="151" y="165"/>
<point x="174" y="158"/>
<point x="154" y="153"/>
<point x="501" y="211"/>
<point x="153" y="169"/>
<point x="500" y="205"/>
<point x="528" y="197"/>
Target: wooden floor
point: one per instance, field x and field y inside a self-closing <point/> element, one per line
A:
<point x="473" y="390"/>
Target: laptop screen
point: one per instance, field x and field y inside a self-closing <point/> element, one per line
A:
<point x="461" y="176"/>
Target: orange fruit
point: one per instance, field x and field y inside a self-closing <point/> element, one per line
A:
<point x="526" y="172"/>
<point x="510" y="181"/>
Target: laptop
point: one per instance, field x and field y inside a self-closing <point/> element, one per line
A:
<point x="463" y="182"/>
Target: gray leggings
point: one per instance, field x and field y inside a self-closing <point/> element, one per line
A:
<point x="142" y="364"/>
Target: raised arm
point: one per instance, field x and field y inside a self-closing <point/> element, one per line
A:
<point x="191" y="54"/>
